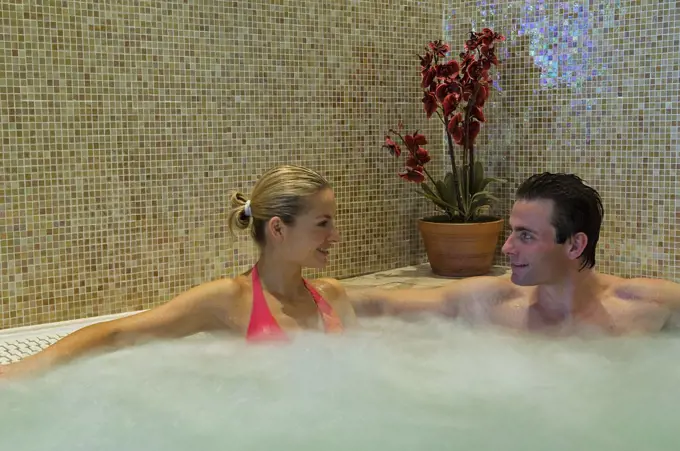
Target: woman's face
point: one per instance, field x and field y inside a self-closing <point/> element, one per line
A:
<point x="307" y="242"/>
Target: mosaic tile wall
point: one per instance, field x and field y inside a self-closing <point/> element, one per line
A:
<point x="125" y="127"/>
<point x="591" y="87"/>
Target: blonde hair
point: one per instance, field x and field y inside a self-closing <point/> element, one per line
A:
<point x="281" y="191"/>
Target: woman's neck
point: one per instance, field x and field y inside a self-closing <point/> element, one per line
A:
<point x="281" y="278"/>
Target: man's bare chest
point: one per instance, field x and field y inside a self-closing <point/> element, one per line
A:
<point x="608" y="315"/>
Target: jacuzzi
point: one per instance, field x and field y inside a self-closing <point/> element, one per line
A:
<point x="418" y="383"/>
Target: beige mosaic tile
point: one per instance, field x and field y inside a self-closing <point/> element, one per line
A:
<point x="125" y="127"/>
<point x="410" y="276"/>
<point x="591" y="87"/>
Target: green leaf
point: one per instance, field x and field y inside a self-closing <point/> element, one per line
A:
<point x="450" y="182"/>
<point x="478" y="172"/>
<point x="485" y="182"/>
<point x="481" y="199"/>
<point x="482" y="182"/>
<point x="428" y="190"/>
<point x="448" y="191"/>
<point x="428" y="193"/>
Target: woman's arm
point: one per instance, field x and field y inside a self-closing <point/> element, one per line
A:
<point x="199" y="309"/>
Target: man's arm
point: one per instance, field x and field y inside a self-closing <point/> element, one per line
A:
<point x="659" y="291"/>
<point x="468" y="298"/>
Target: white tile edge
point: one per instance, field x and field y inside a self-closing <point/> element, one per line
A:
<point x="18" y="333"/>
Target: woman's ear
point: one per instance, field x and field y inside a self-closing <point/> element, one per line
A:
<point x="275" y="228"/>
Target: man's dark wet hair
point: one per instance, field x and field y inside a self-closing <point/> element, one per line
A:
<point x="576" y="208"/>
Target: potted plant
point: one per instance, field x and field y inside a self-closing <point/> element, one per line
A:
<point x="461" y="241"/>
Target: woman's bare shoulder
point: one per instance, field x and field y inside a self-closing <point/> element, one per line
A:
<point x="336" y="295"/>
<point x="219" y="296"/>
<point x="330" y="286"/>
<point x="225" y="288"/>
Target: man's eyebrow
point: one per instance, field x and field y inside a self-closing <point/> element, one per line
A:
<point x="523" y="229"/>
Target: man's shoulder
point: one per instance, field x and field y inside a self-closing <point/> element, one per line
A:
<point x="642" y="302"/>
<point x="644" y="289"/>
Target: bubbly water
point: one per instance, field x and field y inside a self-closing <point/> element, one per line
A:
<point x="395" y="385"/>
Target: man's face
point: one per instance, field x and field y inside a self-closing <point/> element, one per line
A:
<point x="535" y="257"/>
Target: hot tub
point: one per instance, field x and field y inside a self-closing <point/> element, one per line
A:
<point x="418" y="384"/>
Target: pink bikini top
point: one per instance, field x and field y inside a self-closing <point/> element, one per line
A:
<point x="263" y="326"/>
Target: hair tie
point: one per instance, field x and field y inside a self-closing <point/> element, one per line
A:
<point x="246" y="209"/>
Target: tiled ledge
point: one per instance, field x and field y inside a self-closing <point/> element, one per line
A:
<point x="409" y="276"/>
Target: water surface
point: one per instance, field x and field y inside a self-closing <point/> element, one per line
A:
<point x="422" y="385"/>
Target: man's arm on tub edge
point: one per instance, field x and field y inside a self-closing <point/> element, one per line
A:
<point x="458" y="298"/>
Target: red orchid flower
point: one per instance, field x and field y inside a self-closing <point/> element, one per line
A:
<point x="449" y="69"/>
<point x="455" y="129"/>
<point x="447" y="84"/>
<point x="468" y="90"/>
<point x="492" y="59"/>
<point x="482" y="95"/>
<point x="426" y="60"/>
<point x="423" y="156"/>
<point x="393" y="147"/>
<point x="414" y="141"/>
<point x="477" y="113"/>
<point x="412" y="162"/>
<point x="446" y="88"/>
<point x="470" y="45"/>
<point x="429" y="103"/>
<point x="428" y="76"/>
<point x="414" y="174"/>
<point x="438" y="48"/>
<point x="473" y="129"/>
<point x="450" y="104"/>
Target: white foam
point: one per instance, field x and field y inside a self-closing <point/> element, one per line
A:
<point x="422" y="385"/>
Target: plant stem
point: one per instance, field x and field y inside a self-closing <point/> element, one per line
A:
<point x="450" y="145"/>
<point x="456" y="181"/>
<point x="429" y="177"/>
<point x="454" y="168"/>
<point x="469" y="148"/>
<point x="441" y="118"/>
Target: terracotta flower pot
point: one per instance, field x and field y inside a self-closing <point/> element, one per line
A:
<point x="460" y="249"/>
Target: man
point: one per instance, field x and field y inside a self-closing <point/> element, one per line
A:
<point x="555" y="225"/>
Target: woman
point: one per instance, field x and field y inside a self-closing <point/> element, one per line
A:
<point x="291" y="216"/>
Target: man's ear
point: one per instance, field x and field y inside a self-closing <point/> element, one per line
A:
<point x="576" y="245"/>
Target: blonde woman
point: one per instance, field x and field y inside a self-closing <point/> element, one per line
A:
<point x="291" y="215"/>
